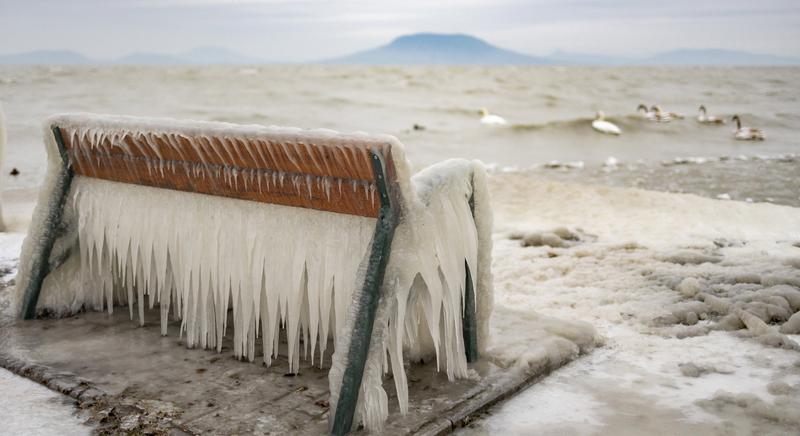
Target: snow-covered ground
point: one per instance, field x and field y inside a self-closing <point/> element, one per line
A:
<point x="663" y="282"/>
<point x="660" y="276"/>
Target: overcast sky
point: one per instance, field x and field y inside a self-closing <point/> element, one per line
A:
<point x="296" y="30"/>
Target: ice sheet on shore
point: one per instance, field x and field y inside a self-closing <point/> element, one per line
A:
<point x="643" y="262"/>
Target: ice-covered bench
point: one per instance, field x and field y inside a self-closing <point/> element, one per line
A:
<point x="313" y="232"/>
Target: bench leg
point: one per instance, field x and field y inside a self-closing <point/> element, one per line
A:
<point x="39" y="267"/>
<point x="367" y="305"/>
<point x="469" y="324"/>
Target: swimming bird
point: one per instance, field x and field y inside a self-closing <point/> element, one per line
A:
<point x="665" y="116"/>
<point x="746" y="133"/>
<point x="654" y="114"/>
<point x="601" y="125"/>
<point x="491" y="119"/>
<point x="648" y="114"/>
<point x="704" y="118"/>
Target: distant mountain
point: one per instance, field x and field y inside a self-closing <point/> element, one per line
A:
<point x="50" y="57"/>
<point x="438" y="49"/>
<point x="688" y="57"/>
<point x="149" y="59"/>
<point x="417" y="49"/>
<point x="559" y="57"/>
<point x="717" y="57"/>
<point x="217" y="55"/>
<point x="196" y="56"/>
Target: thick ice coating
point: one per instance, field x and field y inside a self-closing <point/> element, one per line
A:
<point x="197" y="257"/>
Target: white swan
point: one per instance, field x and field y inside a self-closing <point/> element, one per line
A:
<point x="704" y="118"/>
<point x="491" y="119"/>
<point x="746" y="133"/>
<point x="601" y="125"/>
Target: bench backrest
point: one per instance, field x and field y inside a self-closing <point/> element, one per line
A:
<point x="313" y="169"/>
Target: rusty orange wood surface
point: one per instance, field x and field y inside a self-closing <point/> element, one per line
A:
<point x="323" y="174"/>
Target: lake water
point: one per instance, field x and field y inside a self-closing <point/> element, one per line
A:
<point x="549" y="110"/>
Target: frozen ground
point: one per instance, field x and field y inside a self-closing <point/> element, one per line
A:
<point x="668" y="281"/>
<point x="26" y="407"/>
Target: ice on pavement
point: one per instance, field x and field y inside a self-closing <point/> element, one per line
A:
<point x="27" y="408"/>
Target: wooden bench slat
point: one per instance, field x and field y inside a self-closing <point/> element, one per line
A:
<point x="315" y="173"/>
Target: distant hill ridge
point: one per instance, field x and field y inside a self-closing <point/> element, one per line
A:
<point x="437" y="49"/>
<point x="195" y="56"/>
<point x="417" y="49"/>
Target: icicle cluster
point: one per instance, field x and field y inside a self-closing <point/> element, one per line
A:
<point x="274" y="266"/>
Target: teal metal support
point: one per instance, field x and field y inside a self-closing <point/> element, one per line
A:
<point x="469" y="323"/>
<point x="368" y="302"/>
<point x="41" y="255"/>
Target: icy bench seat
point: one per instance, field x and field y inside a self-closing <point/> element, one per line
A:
<point x="311" y="232"/>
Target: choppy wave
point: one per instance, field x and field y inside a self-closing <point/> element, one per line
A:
<point x="573" y="124"/>
<point x="550" y="109"/>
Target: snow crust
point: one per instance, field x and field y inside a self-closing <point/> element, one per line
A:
<point x="656" y="275"/>
<point x="277" y="268"/>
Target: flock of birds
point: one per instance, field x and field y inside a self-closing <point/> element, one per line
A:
<point x="655" y="114"/>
